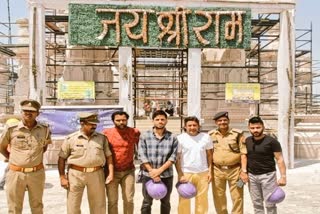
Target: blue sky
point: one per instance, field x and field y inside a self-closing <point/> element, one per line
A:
<point x="307" y="12"/>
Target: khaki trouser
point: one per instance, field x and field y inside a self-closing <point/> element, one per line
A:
<point x="200" y="180"/>
<point x="126" y="180"/>
<point x="95" y="183"/>
<point x="219" y="182"/>
<point x="16" y="185"/>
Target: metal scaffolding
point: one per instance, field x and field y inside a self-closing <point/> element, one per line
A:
<point x="259" y="66"/>
<point x="61" y="60"/>
<point x="307" y="74"/>
<point x="149" y="82"/>
<point x="8" y="74"/>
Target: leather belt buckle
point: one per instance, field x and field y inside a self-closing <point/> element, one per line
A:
<point x="91" y="169"/>
<point x="31" y="169"/>
<point x="224" y="167"/>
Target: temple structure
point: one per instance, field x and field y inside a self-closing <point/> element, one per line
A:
<point x="201" y="56"/>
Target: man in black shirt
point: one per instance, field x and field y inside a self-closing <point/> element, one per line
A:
<point x="263" y="152"/>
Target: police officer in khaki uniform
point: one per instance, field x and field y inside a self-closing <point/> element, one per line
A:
<point x="86" y="152"/>
<point x="229" y="164"/>
<point x="27" y="141"/>
<point x="9" y="122"/>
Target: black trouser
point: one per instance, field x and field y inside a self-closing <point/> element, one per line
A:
<point x="147" y="200"/>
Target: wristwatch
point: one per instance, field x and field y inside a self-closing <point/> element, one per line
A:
<point x="244" y="170"/>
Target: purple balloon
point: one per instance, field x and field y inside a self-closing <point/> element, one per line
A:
<point x="156" y="190"/>
<point x="276" y="196"/>
<point x="186" y="190"/>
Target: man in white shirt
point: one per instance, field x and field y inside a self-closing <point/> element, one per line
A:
<point x="194" y="164"/>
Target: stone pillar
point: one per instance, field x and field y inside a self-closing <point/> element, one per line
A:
<point x="286" y="70"/>
<point x="37" y="51"/>
<point x="125" y="81"/>
<point x="22" y="87"/>
<point x="194" y="82"/>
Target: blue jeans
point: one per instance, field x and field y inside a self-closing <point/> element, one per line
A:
<point x="147" y="200"/>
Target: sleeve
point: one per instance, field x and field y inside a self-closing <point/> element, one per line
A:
<point x="4" y="140"/>
<point x="173" y="156"/>
<point x="242" y="144"/>
<point x="212" y="136"/>
<point x="48" y="135"/>
<point x="142" y="150"/>
<point x="179" y="149"/>
<point x="276" y="146"/>
<point x="65" y="150"/>
<point x="209" y="144"/>
<point x="107" y="133"/>
<point x="136" y="136"/>
<point x="104" y="132"/>
<point x="106" y="148"/>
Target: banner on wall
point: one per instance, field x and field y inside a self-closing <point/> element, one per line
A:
<point x="243" y="92"/>
<point x="64" y="120"/>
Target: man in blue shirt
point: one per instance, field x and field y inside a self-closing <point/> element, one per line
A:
<point x="157" y="153"/>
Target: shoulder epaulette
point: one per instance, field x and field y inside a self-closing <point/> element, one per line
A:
<point x="99" y="133"/>
<point x="13" y="125"/>
<point x="71" y="135"/>
<point x="44" y="124"/>
<point x="212" y="132"/>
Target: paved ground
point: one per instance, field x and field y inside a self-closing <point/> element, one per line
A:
<point x="303" y="193"/>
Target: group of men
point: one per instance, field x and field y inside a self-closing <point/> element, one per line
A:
<point x="101" y="162"/>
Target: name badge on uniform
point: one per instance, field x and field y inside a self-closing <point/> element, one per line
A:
<point x="21" y="137"/>
<point x="79" y="145"/>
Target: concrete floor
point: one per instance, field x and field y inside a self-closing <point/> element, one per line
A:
<point x="302" y="193"/>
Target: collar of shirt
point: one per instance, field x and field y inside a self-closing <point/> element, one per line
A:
<point x="228" y="132"/>
<point x="164" y="136"/>
<point x="21" y="125"/>
<point x="81" y="134"/>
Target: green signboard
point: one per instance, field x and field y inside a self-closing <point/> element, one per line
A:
<point x="142" y="26"/>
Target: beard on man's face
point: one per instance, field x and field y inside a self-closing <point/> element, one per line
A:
<point x="121" y="126"/>
<point x="257" y="134"/>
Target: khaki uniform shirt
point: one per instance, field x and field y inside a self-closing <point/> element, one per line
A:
<point x="85" y="151"/>
<point x="223" y="154"/>
<point x="26" y="146"/>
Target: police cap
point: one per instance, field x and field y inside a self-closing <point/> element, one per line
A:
<point x="30" y="105"/>
<point x="89" y="117"/>
<point x="221" y="114"/>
